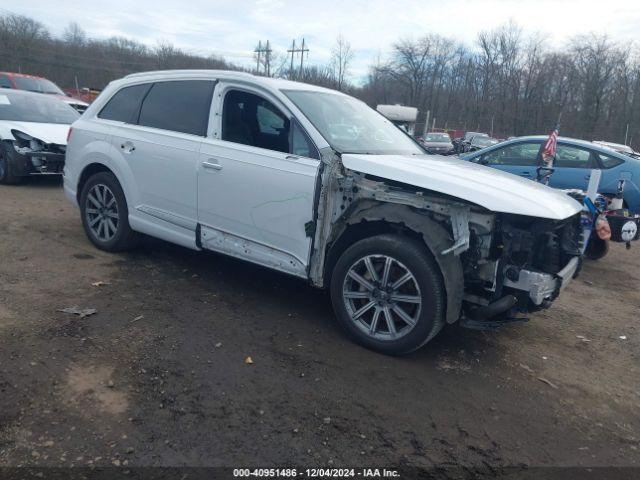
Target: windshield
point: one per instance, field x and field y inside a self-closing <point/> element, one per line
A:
<point x="437" y="137"/>
<point x="484" y="141"/>
<point x="350" y="126"/>
<point x="40" y="85"/>
<point x="24" y="107"/>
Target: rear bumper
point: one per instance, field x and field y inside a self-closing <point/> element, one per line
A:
<point x="545" y="287"/>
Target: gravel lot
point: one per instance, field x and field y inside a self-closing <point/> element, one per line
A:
<point x="158" y="375"/>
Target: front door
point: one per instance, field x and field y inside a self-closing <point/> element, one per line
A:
<point x="516" y="158"/>
<point x="257" y="177"/>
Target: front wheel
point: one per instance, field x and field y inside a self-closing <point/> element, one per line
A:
<point x="387" y="293"/>
<point x="105" y="215"/>
<point x="8" y="158"/>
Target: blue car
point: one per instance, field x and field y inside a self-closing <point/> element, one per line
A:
<point x="572" y="167"/>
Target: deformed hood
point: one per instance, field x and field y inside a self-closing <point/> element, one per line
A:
<point x="492" y="189"/>
<point x="47" y="132"/>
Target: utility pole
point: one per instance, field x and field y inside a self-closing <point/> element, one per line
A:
<point x="491" y="133"/>
<point x="267" y="58"/>
<point x="426" y="124"/>
<point x="302" y="50"/>
<point x="626" y="134"/>
<point x="258" y="50"/>
<point x="433" y="124"/>
<point x="292" y="52"/>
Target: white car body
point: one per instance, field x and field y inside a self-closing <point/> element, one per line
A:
<point x="287" y="211"/>
<point x="38" y="135"/>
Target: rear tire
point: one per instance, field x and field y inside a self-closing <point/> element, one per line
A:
<point x="387" y="293"/>
<point x="597" y="248"/>
<point x="105" y="214"/>
<point x="7" y="162"/>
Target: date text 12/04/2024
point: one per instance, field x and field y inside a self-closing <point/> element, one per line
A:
<point x="316" y="472"/>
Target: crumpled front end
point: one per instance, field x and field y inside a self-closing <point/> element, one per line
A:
<point x="35" y="157"/>
<point x="530" y="262"/>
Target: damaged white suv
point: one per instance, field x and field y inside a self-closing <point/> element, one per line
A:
<point x="314" y="183"/>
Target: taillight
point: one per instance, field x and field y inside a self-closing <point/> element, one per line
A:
<point x="69" y="134"/>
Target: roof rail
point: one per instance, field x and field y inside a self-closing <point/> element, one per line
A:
<point x="187" y="72"/>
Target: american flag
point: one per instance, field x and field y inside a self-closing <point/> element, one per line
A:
<point x="549" y="149"/>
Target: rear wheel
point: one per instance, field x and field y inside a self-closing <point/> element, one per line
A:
<point x="387" y="293"/>
<point x="597" y="248"/>
<point x="7" y="162"/>
<point x="105" y="215"/>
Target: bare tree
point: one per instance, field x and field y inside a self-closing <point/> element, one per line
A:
<point x="341" y="57"/>
<point x="74" y="34"/>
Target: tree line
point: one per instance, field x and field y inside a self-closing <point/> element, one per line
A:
<point x="516" y="84"/>
<point x="507" y="83"/>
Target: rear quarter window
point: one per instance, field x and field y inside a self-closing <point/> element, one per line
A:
<point x="125" y="104"/>
<point x="608" y="161"/>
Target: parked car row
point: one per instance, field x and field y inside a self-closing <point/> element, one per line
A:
<point x="313" y="183"/>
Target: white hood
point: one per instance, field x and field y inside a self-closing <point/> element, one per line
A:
<point x="492" y="189"/>
<point x="47" y="132"/>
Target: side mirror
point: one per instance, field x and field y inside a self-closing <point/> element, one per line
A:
<point x="483" y="160"/>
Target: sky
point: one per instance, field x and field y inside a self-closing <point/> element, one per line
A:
<point x="232" y="28"/>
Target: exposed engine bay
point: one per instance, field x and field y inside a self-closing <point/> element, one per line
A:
<point x="494" y="265"/>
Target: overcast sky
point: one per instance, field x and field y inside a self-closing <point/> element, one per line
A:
<point x="232" y="28"/>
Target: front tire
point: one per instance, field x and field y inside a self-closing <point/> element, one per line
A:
<point x="105" y="215"/>
<point x="7" y="162"/>
<point x="388" y="295"/>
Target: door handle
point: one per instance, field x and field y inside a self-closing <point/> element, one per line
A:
<point x="525" y="174"/>
<point x="211" y="165"/>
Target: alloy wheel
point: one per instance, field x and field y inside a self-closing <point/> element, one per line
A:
<point x="101" y="210"/>
<point x="382" y="297"/>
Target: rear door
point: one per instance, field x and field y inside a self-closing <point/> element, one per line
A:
<point x="161" y="148"/>
<point x="572" y="166"/>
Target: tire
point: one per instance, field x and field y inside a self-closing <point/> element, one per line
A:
<point x="597" y="248"/>
<point x="420" y="298"/>
<point x="105" y="215"/>
<point x="7" y="162"/>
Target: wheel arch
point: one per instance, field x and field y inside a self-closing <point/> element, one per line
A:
<point x="374" y="218"/>
<point x="87" y="172"/>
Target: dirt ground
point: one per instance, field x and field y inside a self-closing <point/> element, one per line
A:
<point x="157" y="377"/>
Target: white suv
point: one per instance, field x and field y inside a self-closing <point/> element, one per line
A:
<point x="314" y="183"/>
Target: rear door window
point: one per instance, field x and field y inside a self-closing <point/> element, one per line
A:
<point x="125" y="104"/>
<point x="569" y="156"/>
<point x="180" y="106"/>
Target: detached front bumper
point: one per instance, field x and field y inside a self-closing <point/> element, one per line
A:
<point x="544" y="287"/>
